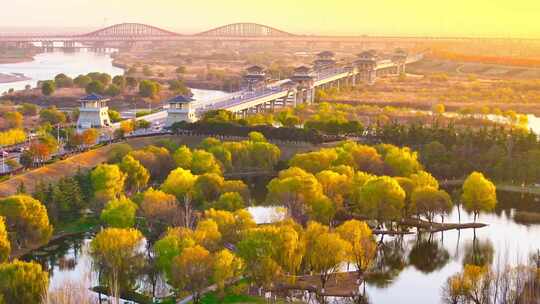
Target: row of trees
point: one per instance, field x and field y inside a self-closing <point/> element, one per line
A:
<point x="252" y="154"/>
<point x="449" y="152"/>
<point x="12" y="137"/>
<point x="323" y="184"/>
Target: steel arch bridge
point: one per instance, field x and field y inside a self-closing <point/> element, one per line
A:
<point x="134" y="30"/>
<point x="245" y="30"/>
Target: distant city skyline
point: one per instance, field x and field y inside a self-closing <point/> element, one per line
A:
<point x="480" y="18"/>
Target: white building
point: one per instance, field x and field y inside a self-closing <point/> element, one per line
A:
<point x="180" y="109"/>
<point x="94" y="112"/>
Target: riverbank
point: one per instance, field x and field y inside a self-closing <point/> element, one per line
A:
<point x="524" y="189"/>
<point x="63" y="230"/>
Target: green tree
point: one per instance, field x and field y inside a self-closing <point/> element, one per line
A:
<point x="119" y="213"/>
<point x="95" y="87"/>
<point x="48" y="87"/>
<point x="52" y="115"/>
<point x="137" y="175"/>
<point x="148" y="89"/>
<point x="82" y="81"/>
<point x="170" y="246"/>
<point x="27" y="220"/>
<point x="119" y="81"/>
<point x="29" y="109"/>
<point x="23" y="282"/>
<point x="230" y="201"/>
<point x="381" y="198"/>
<point x="63" y="81"/>
<point x="5" y="246"/>
<point x="113" y="90"/>
<point x="157" y="160"/>
<point x="428" y="201"/>
<point x="183" y="157"/>
<point x="204" y="162"/>
<point x="179" y="183"/>
<point x="116" y="254"/>
<point x="160" y="210"/>
<point x="363" y="246"/>
<point x="479" y="194"/>
<point x="192" y="271"/>
<point x="323" y="263"/>
<point x="227" y="266"/>
<point x="207" y="187"/>
<point x="107" y="181"/>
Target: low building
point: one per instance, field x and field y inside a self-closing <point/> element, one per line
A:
<point x="180" y="109"/>
<point x="93" y="112"/>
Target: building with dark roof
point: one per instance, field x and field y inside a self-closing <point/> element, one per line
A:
<point x="93" y="112"/>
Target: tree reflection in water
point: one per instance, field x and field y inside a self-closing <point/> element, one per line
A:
<point x="428" y="255"/>
<point x="389" y="263"/>
<point x="478" y="252"/>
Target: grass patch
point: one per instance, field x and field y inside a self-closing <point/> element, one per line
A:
<point x="212" y="298"/>
<point x="80" y="225"/>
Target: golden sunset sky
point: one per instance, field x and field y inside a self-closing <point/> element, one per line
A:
<point x="501" y="18"/>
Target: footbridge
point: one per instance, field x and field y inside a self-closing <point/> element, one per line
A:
<point x="260" y="95"/>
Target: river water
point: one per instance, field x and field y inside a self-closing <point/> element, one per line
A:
<point x="416" y="267"/>
<point x="47" y="65"/>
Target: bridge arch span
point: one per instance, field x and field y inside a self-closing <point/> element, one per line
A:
<point x="245" y="30"/>
<point x="131" y="30"/>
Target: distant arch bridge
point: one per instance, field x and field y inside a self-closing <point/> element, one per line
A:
<point x="134" y="32"/>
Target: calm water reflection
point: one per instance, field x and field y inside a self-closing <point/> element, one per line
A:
<point x="414" y="267"/>
<point x="47" y="65"/>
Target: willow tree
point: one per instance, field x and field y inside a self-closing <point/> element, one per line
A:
<point x="363" y="246"/>
<point x="107" y="182"/>
<point x="192" y="271"/>
<point x="137" y="174"/>
<point x="327" y="253"/>
<point x="227" y="266"/>
<point x="479" y="194"/>
<point x="381" y="198"/>
<point x="116" y="254"/>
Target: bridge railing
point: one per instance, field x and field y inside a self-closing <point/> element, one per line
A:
<point x="243" y="97"/>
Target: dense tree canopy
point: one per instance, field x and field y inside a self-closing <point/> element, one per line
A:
<point x="23" y="282"/>
<point x="117" y="254"/>
<point x="119" y="213"/>
<point x="381" y="198"/>
<point x="27" y="220"/>
<point x="107" y="181"/>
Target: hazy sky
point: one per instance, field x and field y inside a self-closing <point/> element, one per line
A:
<point x="384" y="17"/>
